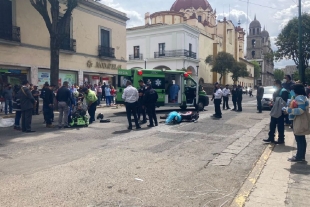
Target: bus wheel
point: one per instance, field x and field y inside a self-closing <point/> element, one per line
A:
<point x="183" y="107"/>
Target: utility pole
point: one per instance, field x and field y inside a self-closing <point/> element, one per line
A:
<point x="300" y="54"/>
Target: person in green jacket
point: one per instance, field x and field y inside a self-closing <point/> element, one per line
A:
<point x="91" y="100"/>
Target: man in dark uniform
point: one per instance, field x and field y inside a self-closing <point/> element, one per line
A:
<point x="149" y="101"/>
<point x="141" y="109"/>
<point x="260" y="93"/>
<point x="35" y="93"/>
<point x="48" y="103"/>
<point x="239" y="98"/>
<point x="277" y="122"/>
<point x="234" y="97"/>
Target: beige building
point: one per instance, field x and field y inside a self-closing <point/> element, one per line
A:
<point x="94" y="50"/>
<point x="214" y="36"/>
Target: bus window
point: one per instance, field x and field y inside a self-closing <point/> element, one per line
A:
<point x="157" y="83"/>
<point x="189" y="83"/>
<point x="122" y="80"/>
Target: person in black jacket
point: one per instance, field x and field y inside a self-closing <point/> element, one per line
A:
<point x="239" y="98"/>
<point x="234" y="97"/>
<point x="260" y="93"/>
<point x="149" y="102"/>
<point x="274" y="122"/>
<point x="141" y="109"/>
<point x="48" y="103"/>
<point x="64" y="101"/>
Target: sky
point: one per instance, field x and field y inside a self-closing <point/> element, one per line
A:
<point x="273" y="14"/>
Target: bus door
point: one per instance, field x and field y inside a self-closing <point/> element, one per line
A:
<point x="123" y="76"/>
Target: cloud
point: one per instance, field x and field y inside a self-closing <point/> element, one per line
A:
<point x="235" y="15"/>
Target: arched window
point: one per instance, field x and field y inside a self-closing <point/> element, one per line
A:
<point x="253" y="54"/>
<point x="257" y="30"/>
<point x="199" y="18"/>
<point x="253" y="43"/>
<point x="253" y="31"/>
<point x="263" y="40"/>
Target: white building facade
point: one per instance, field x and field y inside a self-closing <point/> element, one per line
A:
<point x="162" y="46"/>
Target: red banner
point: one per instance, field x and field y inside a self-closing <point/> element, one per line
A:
<point x="95" y="77"/>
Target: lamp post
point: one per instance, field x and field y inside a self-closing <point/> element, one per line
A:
<point x="145" y="63"/>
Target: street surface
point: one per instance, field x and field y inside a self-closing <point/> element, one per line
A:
<point x="191" y="164"/>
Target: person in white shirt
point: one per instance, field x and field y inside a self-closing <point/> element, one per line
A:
<point x="131" y="97"/>
<point x="226" y="94"/>
<point x="217" y="98"/>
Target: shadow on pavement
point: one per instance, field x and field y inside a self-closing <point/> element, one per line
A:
<point x="283" y="148"/>
<point x="302" y="168"/>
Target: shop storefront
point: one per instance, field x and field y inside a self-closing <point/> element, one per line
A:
<point x="13" y="76"/>
<point x="93" y="78"/>
<point x="70" y="76"/>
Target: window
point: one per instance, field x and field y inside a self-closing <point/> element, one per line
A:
<point x="161" y="49"/>
<point x="199" y="18"/>
<point x="189" y="83"/>
<point x="122" y="81"/>
<point x="105" y="38"/>
<point x="190" y="48"/>
<point x="253" y="31"/>
<point x="257" y="31"/>
<point x="6" y="20"/>
<point x="157" y="83"/>
<point x="253" y="43"/>
<point x="253" y="54"/>
<point x="136" y="51"/>
<point x="263" y="40"/>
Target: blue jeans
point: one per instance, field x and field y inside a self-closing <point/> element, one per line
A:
<point x="301" y="146"/>
<point x="18" y="116"/>
<point x="108" y="100"/>
<point x="8" y="103"/>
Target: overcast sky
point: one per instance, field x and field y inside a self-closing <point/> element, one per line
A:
<point x="274" y="14"/>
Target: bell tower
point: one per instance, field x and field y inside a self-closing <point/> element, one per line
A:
<point x="254" y="41"/>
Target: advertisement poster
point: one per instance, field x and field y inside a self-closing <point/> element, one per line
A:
<point x="45" y="77"/>
<point x="42" y="78"/>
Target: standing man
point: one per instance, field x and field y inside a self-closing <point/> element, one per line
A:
<point x="131" y="96"/>
<point x="141" y="109"/>
<point x="149" y="101"/>
<point x="26" y="103"/>
<point x="259" y="96"/>
<point x="234" y="97"/>
<point x="226" y="94"/>
<point x="288" y="83"/>
<point x="64" y="101"/>
<point x="239" y="98"/>
<point x="35" y="93"/>
<point x="8" y="96"/>
<point x="103" y="91"/>
<point x="91" y="100"/>
<point x="277" y="122"/>
<point x="217" y="98"/>
<point x="48" y="104"/>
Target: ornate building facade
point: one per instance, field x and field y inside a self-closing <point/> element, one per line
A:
<point x="213" y="37"/>
<point x="259" y="49"/>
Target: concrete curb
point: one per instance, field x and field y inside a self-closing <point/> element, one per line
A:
<point x="251" y="180"/>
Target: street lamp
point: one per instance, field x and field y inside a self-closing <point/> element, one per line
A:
<point x="145" y="63"/>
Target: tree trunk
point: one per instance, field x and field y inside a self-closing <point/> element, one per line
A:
<point x="221" y="79"/>
<point x="54" y="61"/>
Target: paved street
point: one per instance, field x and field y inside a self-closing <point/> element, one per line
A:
<point x="191" y="164"/>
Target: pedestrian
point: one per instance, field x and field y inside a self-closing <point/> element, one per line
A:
<point x="287" y="84"/>
<point x="234" y="97"/>
<point x="250" y="92"/>
<point x="64" y="101"/>
<point x="239" y="98"/>
<point x="297" y="108"/>
<point x="53" y="89"/>
<point x="130" y="97"/>
<point x="103" y="91"/>
<point x="48" y="104"/>
<point x="26" y="103"/>
<point x="17" y="109"/>
<point x="8" y="96"/>
<point x="108" y="95"/>
<point x="35" y="93"/>
<point x="226" y="94"/>
<point x="149" y="102"/>
<point x="141" y="109"/>
<point x="113" y="94"/>
<point x="91" y="101"/>
<point x="259" y="96"/>
<point x="99" y="93"/>
<point x="217" y="98"/>
<point x="277" y="122"/>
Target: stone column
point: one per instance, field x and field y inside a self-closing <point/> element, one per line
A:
<point x="81" y="77"/>
<point x="34" y="75"/>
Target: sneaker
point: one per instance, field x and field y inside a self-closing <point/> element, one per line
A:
<point x="294" y="159"/>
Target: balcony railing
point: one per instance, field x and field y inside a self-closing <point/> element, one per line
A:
<point x="10" y="33"/>
<point x="136" y="57"/>
<point x="175" y="53"/>
<point x="68" y="44"/>
<point x="106" y="51"/>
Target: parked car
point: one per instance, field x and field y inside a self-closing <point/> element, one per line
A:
<point x="267" y="101"/>
<point x="244" y="90"/>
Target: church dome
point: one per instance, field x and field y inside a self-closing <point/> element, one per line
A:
<point x="265" y="33"/>
<point x="255" y="23"/>
<point x="186" y="4"/>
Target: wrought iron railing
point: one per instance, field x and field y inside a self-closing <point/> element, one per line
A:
<point x="175" y="53"/>
<point x="68" y="44"/>
<point x="10" y="33"/>
<point x="106" y="51"/>
<point x="136" y="57"/>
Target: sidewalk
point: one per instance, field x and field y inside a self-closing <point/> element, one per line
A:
<point x="280" y="183"/>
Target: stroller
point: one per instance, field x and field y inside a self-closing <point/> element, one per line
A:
<point x="79" y="117"/>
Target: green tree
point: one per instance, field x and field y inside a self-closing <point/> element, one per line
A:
<point x="57" y="26"/>
<point x="257" y="69"/>
<point x="238" y="70"/>
<point x="307" y="76"/>
<point x="287" y="42"/>
<point x="221" y="64"/>
<point x="278" y="74"/>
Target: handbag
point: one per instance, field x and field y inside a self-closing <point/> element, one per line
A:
<point x="301" y="123"/>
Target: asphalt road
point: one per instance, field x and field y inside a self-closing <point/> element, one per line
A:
<point x="190" y="164"/>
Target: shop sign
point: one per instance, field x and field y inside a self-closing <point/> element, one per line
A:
<point x="105" y="78"/>
<point x="95" y="77"/>
<point x="103" y="65"/>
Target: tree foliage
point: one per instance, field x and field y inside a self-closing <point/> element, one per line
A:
<point x="257" y="69"/>
<point x="307" y="76"/>
<point x="238" y="70"/>
<point x="278" y="74"/>
<point x="287" y="42"/>
<point x="221" y="64"/>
